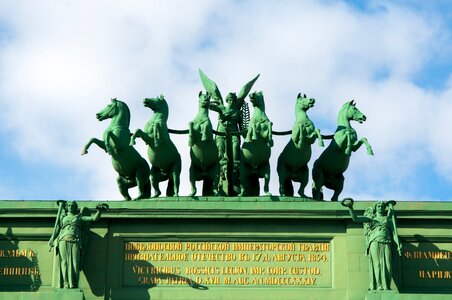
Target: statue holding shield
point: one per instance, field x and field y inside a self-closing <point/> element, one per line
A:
<point x="69" y="240"/>
<point x="380" y="231"/>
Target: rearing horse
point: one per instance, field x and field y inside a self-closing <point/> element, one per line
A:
<point x="162" y="153"/>
<point x="133" y="169"/>
<point x="333" y="162"/>
<point x="293" y="160"/>
<point x="254" y="163"/>
<point x="203" y="150"/>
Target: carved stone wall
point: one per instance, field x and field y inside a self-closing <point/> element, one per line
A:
<point x="226" y="248"/>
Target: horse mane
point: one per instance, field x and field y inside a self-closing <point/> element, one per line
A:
<point x="124" y="109"/>
<point x="343" y="110"/>
<point x="163" y="107"/>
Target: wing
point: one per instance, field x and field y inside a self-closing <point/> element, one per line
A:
<point x="246" y="89"/>
<point x="210" y="86"/>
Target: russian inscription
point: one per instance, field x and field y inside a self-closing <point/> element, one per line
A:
<point x="427" y="265"/>
<point x="19" y="266"/>
<point x="245" y="264"/>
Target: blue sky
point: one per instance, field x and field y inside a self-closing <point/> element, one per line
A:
<point x="61" y="62"/>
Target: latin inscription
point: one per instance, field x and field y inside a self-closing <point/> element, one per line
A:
<point x="275" y="264"/>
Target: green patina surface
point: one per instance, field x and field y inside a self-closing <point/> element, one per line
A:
<point x="226" y="248"/>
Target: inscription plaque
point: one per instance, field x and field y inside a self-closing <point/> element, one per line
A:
<point x="19" y="265"/>
<point x="212" y="263"/>
<point x="427" y="265"/>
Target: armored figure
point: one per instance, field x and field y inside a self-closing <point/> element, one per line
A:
<point x="381" y="239"/>
<point x="69" y="239"/>
<point x="233" y="118"/>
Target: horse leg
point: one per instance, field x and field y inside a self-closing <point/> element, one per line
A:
<point x="339" y="185"/>
<point x="304" y="178"/>
<point x="124" y="184"/>
<point x="316" y="134"/>
<point x="269" y="135"/>
<point x="296" y="134"/>
<point x="143" y="181"/>
<point x="244" y="174"/>
<point x="319" y="138"/>
<point x="190" y="134"/>
<point x="215" y="175"/>
<point x="98" y="142"/>
<point x="176" y="175"/>
<point x="207" y="187"/>
<point x="282" y="176"/>
<point x="299" y="144"/>
<point x="192" y="172"/>
<point x="266" y="170"/>
<point x="318" y="181"/>
<point x="157" y="134"/>
<point x="155" y="180"/>
<point x="348" y="146"/>
<point x="366" y="143"/>
<point x="170" y="187"/>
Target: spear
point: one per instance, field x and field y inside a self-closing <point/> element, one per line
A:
<point x="55" y="227"/>
<point x="391" y="205"/>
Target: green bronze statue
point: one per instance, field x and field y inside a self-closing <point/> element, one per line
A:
<point x="69" y="240"/>
<point x="254" y="163"/>
<point x="203" y="150"/>
<point x="232" y="120"/>
<point x="133" y="169"/>
<point x="293" y="160"/>
<point x="380" y="231"/>
<point x="162" y="153"/>
<point x="333" y="162"/>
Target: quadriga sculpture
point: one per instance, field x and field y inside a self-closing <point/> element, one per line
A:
<point x="162" y="153"/>
<point x="293" y="160"/>
<point x="203" y="150"/>
<point x="333" y="162"/>
<point x="256" y="152"/>
<point x="133" y="169"/>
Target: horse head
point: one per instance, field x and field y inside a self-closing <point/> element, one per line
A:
<point x="115" y="108"/>
<point x="351" y="112"/>
<point x="257" y="99"/>
<point x="157" y="104"/>
<point x="204" y="100"/>
<point x="304" y="103"/>
<point x="109" y="111"/>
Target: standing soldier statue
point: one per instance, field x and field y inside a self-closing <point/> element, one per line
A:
<point x="380" y="230"/>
